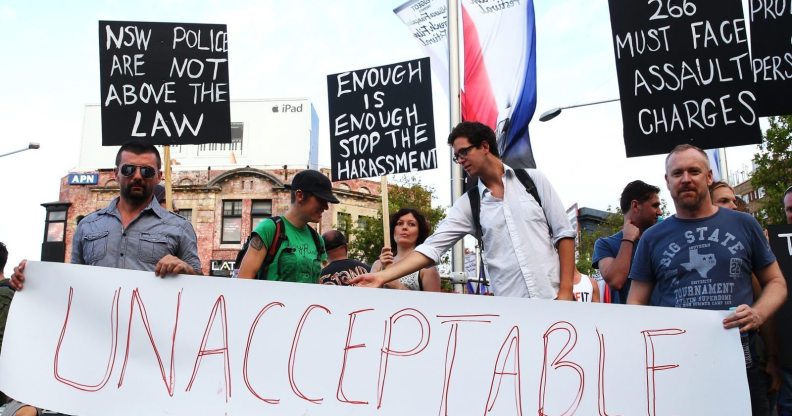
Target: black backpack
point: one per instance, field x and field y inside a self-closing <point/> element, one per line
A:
<point x="272" y="248"/>
<point x="475" y="202"/>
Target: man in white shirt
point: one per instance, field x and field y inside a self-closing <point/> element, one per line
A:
<point x="529" y="246"/>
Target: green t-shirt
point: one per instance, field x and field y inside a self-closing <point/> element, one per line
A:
<point x="296" y="259"/>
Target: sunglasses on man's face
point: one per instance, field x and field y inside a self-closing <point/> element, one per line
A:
<point x="145" y="171"/>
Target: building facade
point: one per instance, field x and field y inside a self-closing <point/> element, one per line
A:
<point x="223" y="189"/>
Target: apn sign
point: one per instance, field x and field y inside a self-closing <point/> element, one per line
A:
<point x="83" y="178"/>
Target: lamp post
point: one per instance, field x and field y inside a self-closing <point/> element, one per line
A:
<point x="30" y="145"/>
<point x="553" y="113"/>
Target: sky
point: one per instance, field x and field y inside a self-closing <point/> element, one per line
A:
<point x="285" y="49"/>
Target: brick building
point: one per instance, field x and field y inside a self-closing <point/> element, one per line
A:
<point x="223" y="207"/>
<point x="223" y="189"/>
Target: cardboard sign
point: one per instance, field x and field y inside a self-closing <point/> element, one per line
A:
<point x="771" y="50"/>
<point x="781" y="244"/>
<point x="164" y="83"/>
<point x="381" y="120"/>
<point x="684" y="74"/>
<point x="95" y="341"/>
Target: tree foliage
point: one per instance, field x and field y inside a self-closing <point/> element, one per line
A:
<point x="612" y="224"/>
<point x="408" y="192"/>
<point x="773" y="173"/>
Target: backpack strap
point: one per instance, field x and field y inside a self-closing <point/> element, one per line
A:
<point x="475" y="208"/>
<point x="528" y="183"/>
<point x="279" y="238"/>
<point x="272" y="249"/>
<point x="320" y="250"/>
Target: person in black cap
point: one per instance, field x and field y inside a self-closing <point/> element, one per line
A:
<point x="300" y="255"/>
<point x="341" y="268"/>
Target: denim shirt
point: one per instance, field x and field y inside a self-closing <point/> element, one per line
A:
<point x="101" y="240"/>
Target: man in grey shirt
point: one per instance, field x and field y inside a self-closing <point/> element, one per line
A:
<point x="134" y="232"/>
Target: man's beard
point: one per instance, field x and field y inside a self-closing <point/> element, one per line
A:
<point x="136" y="197"/>
<point x="689" y="202"/>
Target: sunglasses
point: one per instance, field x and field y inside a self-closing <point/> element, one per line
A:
<point x="145" y="171"/>
<point x="463" y="152"/>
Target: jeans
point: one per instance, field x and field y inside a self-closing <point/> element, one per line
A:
<point x="785" y="394"/>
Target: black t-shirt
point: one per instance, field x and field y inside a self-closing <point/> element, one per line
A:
<point x="340" y="272"/>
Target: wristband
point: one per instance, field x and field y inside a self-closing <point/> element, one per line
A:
<point x="628" y="240"/>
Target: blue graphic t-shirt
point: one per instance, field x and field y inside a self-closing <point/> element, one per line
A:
<point x="606" y="247"/>
<point x="703" y="263"/>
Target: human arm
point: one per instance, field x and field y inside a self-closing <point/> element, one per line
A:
<point x="413" y="262"/>
<point x="615" y="269"/>
<point x="187" y="253"/>
<point x="18" y="277"/>
<point x="77" y="248"/>
<point x="640" y="292"/>
<point x="253" y="258"/>
<point x="172" y="265"/>
<point x="774" y="292"/>
<point x="566" y="258"/>
<point x="430" y="279"/>
<point x="595" y="295"/>
<point x="385" y="258"/>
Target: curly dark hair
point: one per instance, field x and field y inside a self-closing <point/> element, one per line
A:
<point x="476" y="133"/>
<point x="423" y="226"/>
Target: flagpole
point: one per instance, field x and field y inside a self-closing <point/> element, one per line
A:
<point x="458" y="252"/>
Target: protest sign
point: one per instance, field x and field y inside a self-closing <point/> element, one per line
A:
<point x="684" y="74"/>
<point x="92" y="341"/>
<point x="771" y="55"/>
<point x="164" y="83"/>
<point x="381" y="120"/>
<point x="781" y="244"/>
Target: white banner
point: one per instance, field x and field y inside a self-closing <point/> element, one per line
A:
<point x="427" y="21"/>
<point x="96" y="341"/>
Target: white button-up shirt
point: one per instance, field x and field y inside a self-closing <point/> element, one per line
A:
<point x="520" y="236"/>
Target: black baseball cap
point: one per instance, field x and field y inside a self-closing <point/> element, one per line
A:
<point x="315" y="183"/>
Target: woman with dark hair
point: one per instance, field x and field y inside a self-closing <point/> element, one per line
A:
<point x="408" y="229"/>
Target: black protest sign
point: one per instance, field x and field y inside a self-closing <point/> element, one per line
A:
<point x="781" y="244"/>
<point x="164" y="83"/>
<point x="684" y="74"/>
<point x="771" y="55"/>
<point x="381" y="120"/>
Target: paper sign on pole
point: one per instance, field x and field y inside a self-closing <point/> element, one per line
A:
<point x="381" y="120"/>
<point x="96" y="341"/>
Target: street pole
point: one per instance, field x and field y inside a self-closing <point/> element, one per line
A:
<point x="30" y="146"/>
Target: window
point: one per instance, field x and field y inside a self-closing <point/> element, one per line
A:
<point x="259" y="210"/>
<point x="186" y="213"/>
<point x="235" y="145"/>
<point x="363" y="220"/>
<point x="56" y="226"/>
<point x="232" y="222"/>
<point x="344" y="221"/>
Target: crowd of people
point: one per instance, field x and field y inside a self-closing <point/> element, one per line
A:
<point x="527" y="246"/>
